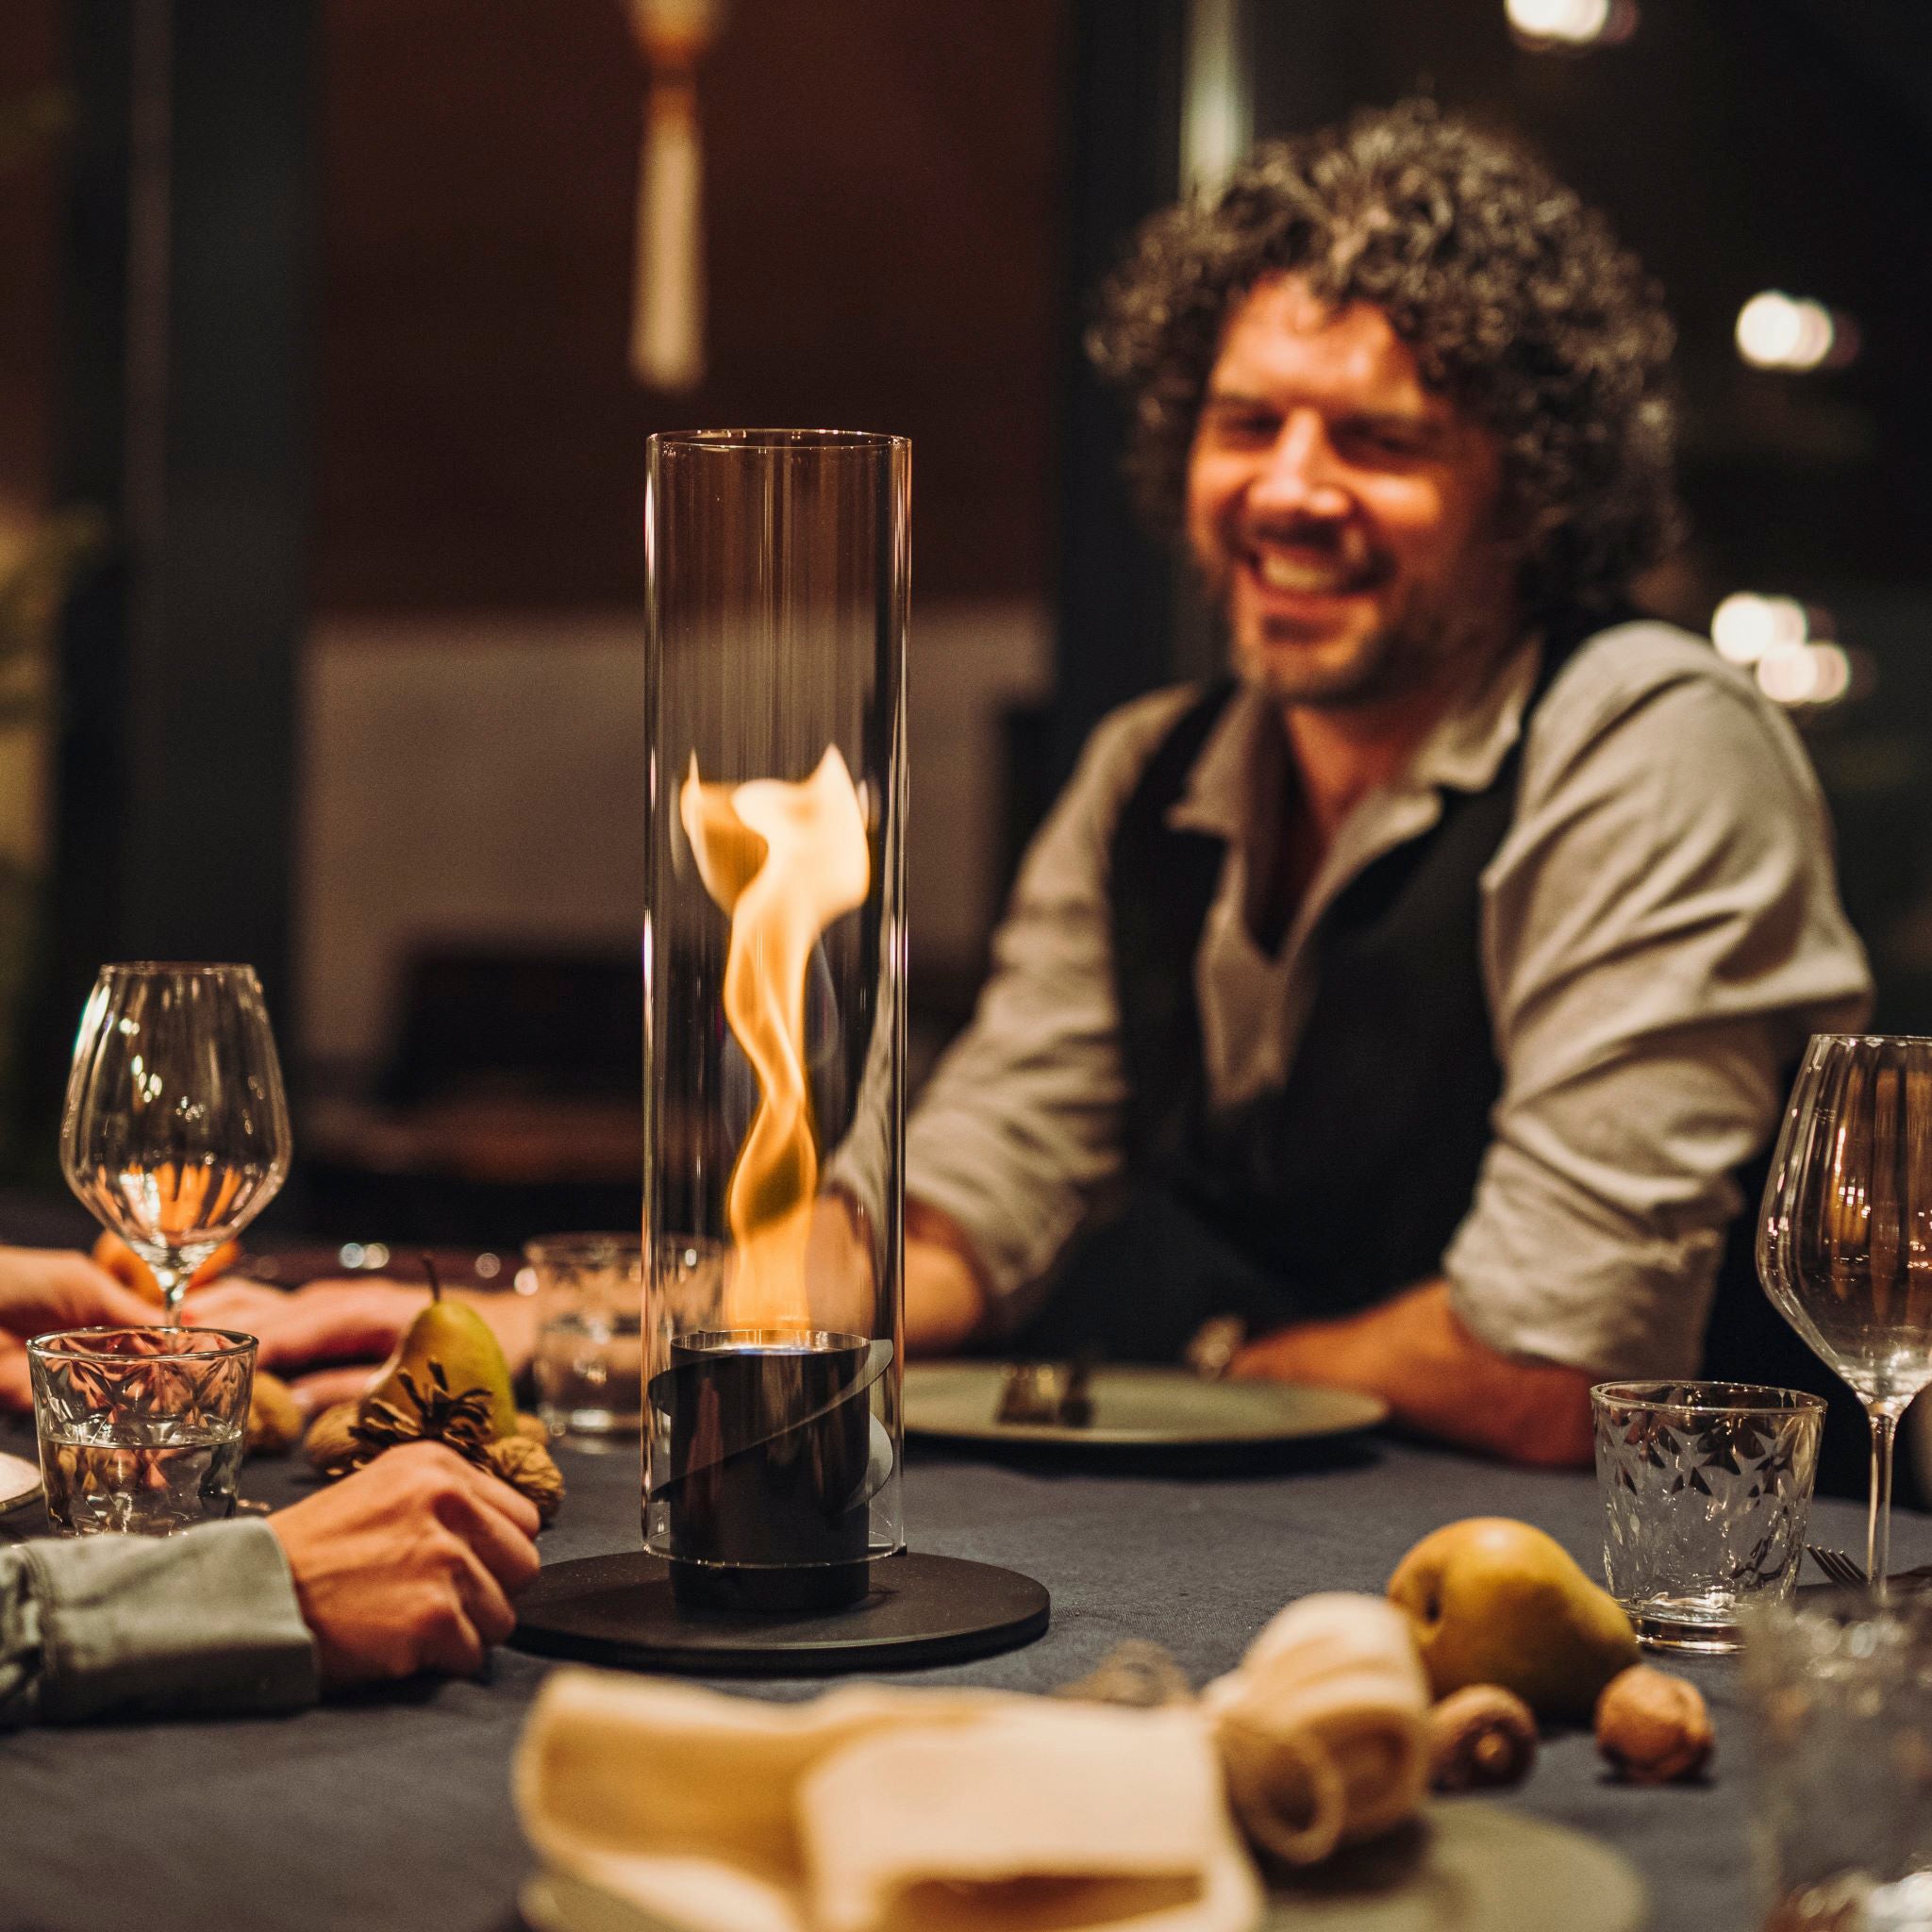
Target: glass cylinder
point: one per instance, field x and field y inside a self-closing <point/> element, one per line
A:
<point x="774" y="1021"/>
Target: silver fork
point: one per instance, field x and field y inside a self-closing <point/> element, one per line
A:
<point x="1837" y="1566"/>
<point x="1849" y="1574"/>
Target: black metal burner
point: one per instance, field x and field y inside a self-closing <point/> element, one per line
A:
<point x="770" y="1448"/>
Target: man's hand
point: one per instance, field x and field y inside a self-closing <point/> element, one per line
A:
<point x="1437" y="1377"/>
<point x="45" y="1288"/>
<point x="408" y="1565"/>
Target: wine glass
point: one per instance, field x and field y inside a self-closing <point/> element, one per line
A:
<point x="1844" y="1243"/>
<point x="175" y="1131"/>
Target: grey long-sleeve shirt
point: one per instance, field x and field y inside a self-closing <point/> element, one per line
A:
<point x="1660" y="930"/>
<point x="206" y="1622"/>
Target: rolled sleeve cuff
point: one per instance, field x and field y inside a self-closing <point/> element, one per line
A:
<point x="1630" y="1306"/>
<point x="206" y="1622"/>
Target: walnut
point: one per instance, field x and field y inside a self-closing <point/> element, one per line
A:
<point x="1653" y="1727"/>
<point x="331" y="1445"/>
<point x="529" y="1468"/>
<point x="275" y="1417"/>
<point x="1481" y="1735"/>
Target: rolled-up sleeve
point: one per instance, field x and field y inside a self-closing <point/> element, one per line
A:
<point x="1662" y="930"/>
<point x="1019" y="1127"/>
<point x="206" y="1622"/>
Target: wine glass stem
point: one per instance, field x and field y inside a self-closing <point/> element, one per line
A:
<point x="1878" y="1526"/>
<point x="172" y="1283"/>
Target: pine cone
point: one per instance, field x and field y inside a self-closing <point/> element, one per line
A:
<point x="531" y="1470"/>
<point x="427" y="1413"/>
<point x="331" y="1445"/>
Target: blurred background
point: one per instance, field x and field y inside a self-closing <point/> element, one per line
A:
<point x="321" y="476"/>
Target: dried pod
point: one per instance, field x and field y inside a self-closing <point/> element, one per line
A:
<point x="1138" y="1675"/>
<point x="275" y="1417"/>
<point x="531" y="1470"/>
<point x="1653" y="1727"/>
<point x="533" y="1428"/>
<point x="331" y="1444"/>
<point x="1480" y="1736"/>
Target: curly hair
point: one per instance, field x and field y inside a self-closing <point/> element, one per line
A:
<point x="1515" y="299"/>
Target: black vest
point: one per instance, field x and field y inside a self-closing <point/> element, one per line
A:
<point x="1343" y="1187"/>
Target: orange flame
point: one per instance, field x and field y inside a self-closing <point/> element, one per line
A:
<point x="784" y="861"/>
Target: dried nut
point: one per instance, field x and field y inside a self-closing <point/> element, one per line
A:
<point x="275" y="1417"/>
<point x="1653" y="1727"/>
<point x="331" y="1445"/>
<point x="1481" y="1735"/>
<point x="531" y="1470"/>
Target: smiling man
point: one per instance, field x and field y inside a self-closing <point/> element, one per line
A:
<point x="1416" y="995"/>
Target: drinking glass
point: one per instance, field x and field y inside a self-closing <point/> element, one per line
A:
<point x="175" y="1131"/>
<point x="140" y="1429"/>
<point x="1844" y="1243"/>
<point x="1839" y="1690"/>
<point x="589" y="1359"/>
<point x="1706" y="1487"/>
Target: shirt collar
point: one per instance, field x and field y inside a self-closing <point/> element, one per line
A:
<point x="1462" y="752"/>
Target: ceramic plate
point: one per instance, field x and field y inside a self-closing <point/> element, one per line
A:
<point x="1135" y="1409"/>
<point x="1471" y="1868"/>
<point x="19" y="1482"/>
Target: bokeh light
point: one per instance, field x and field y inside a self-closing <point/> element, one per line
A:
<point x="1574" y="23"/>
<point x="1747" y="628"/>
<point x="1780" y="332"/>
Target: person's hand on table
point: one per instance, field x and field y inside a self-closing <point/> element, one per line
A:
<point x="408" y="1565"/>
<point x="339" y="1330"/>
<point x="42" y="1289"/>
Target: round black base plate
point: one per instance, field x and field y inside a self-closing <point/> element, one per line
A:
<point x="920" y="1611"/>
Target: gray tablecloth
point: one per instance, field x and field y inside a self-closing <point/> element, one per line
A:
<point x="393" y="1809"/>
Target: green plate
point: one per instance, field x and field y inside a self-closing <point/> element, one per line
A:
<point x="1136" y="1409"/>
<point x="1468" y="1867"/>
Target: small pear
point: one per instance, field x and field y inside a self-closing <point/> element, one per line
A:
<point x="457" y="1337"/>
<point x="1494" y="1601"/>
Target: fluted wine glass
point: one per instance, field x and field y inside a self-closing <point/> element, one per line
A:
<point x="1844" y="1243"/>
<point x="175" y="1131"/>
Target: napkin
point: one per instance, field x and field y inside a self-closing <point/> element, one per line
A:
<point x="1323" y="1728"/>
<point x="877" y="1809"/>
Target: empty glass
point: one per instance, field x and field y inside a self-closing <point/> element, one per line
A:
<point x="1844" y="1242"/>
<point x="142" y="1429"/>
<point x="1706" y="1487"/>
<point x="1839" y="1693"/>
<point x="176" y="1131"/>
<point x="590" y="1361"/>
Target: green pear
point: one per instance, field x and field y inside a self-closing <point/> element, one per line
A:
<point x="456" y="1337"/>
<point x="1494" y="1601"/>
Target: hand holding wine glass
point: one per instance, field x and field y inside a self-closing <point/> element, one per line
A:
<point x="1844" y="1245"/>
<point x="175" y="1131"/>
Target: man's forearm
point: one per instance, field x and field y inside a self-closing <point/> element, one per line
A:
<point x="206" y="1622"/>
<point x="1436" y="1377"/>
<point x="946" y="1302"/>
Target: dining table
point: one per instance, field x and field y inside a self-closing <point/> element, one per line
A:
<point x="392" y="1807"/>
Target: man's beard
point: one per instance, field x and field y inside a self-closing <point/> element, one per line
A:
<point x="1412" y="651"/>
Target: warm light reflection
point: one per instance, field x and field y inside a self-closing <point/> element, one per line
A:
<point x="783" y="861"/>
